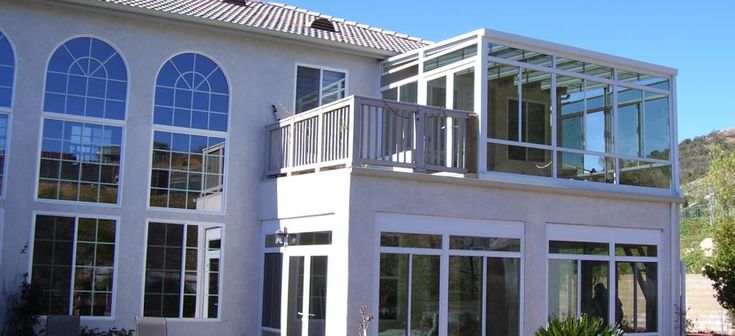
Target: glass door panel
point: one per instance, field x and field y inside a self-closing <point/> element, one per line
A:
<point x="295" y="295"/>
<point x="465" y="295"/>
<point x="503" y="297"/>
<point x="317" y="295"/>
<point x="425" y="295"/>
<point x="307" y="296"/>
<point x="562" y="288"/>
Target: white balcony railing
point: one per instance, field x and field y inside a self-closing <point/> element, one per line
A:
<point x="360" y="131"/>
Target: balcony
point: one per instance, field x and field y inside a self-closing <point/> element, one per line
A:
<point x="369" y="132"/>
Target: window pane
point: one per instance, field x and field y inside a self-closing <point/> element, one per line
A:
<point x="393" y="309"/>
<point x="519" y="55"/>
<point x="163" y="269"/>
<point x="562" y="288"/>
<point x="583" y="67"/>
<point x="635" y="250"/>
<point x="568" y="247"/>
<point x="503" y="109"/>
<point x="645" y="174"/>
<point x="318" y="292"/>
<point x="52" y="262"/>
<point x="586" y="167"/>
<point x="598" y="119"/>
<point x="425" y="295"/>
<point x="536" y="107"/>
<point x="436" y="92"/>
<point x="503" y="296"/>
<point x="307" y="88"/>
<point x="94" y="296"/>
<point x="484" y="243"/>
<point x="295" y="295"/>
<point x="333" y="86"/>
<point x="392" y="239"/>
<point x="637" y="297"/>
<point x="509" y="159"/>
<point x="449" y="58"/>
<point x="7" y="69"/>
<point x="399" y="75"/>
<point x="465" y="295"/>
<point x="656" y="143"/>
<point x="272" y="290"/>
<point x="643" y="79"/>
<point x="3" y="144"/>
<point x="571" y="112"/>
<point x="408" y="93"/>
<point x="464" y="90"/>
<point x="629" y="122"/>
<point x="595" y="284"/>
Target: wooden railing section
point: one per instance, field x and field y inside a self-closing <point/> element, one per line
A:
<point x="360" y="131"/>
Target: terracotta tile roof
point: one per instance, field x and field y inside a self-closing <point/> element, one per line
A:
<point x="281" y="18"/>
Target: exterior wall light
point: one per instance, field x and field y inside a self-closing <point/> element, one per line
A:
<point x="283" y="238"/>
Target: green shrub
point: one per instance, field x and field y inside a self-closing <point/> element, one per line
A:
<point x="579" y="326"/>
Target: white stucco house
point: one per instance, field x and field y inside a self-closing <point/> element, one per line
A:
<point x="251" y="168"/>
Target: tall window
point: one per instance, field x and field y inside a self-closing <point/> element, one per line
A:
<point x="315" y="87"/>
<point x="615" y="281"/>
<point x="182" y="277"/>
<point x="192" y="98"/>
<point x="73" y="264"/>
<point x="84" y="109"/>
<point x="7" y="73"/>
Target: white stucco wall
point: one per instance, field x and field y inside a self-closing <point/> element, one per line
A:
<point x="261" y="73"/>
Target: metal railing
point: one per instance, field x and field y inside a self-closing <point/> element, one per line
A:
<point x="360" y="131"/>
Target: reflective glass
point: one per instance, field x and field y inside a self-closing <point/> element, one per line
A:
<point x="272" y="273"/>
<point x="503" y="103"/>
<point x="583" y="67"/>
<point x="451" y="57"/>
<point x="192" y="92"/>
<point x="315" y="87"/>
<point x="484" y="243"/>
<point x="569" y="247"/>
<point x="465" y="295"/>
<point x="425" y="295"/>
<point x="586" y="167"/>
<point x="3" y="146"/>
<point x="656" y="143"/>
<point x="643" y="79"/>
<point x="436" y="92"/>
<point x="645" y="174"/>
<point x="598" y="126"/>
<point x="563" y="290"/>
<point x="637" y="297"/>
<point x="594" y="287"/>
<point x="635" y="250"/>
<point x="505" y="159"/>
<point x="464" y="90"/>
<point x="86" y="77"/>
<point x="333" y="86"/>
<point x="394" y="239"/>
<point x="519" y="55"/>
<point x="503" y="296"/>
<point x="187" y="171"/>
<point x="79" y="161"/>
<point x="7" y="71"/>
<point x="629" y="117"/>
<point x="399" y="75"/>
<point x="571" y="104"/>
<point x="393" y="309"/>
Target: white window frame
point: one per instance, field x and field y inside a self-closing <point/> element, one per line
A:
<point x="446" y="227"/>
<point x="321" y="69"/>
<point x="611" y="236"/>
<point x="8" y="111"/>
<point x="202" y="227"/>
<point x="115" y="266"/>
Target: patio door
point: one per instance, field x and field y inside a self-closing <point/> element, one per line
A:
<point x="307" y="295"/>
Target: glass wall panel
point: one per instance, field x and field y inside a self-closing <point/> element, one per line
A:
<point x="635" y="250"/>
<point x="425" y="295"/>
<point x="503" y="297"/>
<point x="519" y="55"/>
<point x="407" y="93"/>
<point x="656" y="143"/>
<point x="465" y="295"/>
<point x="643" y="79"/>
<point x="333" y="86"/>
<point x="393" y="239"/>
<point x="399" y="75"/>
<point x="629" y="122"/>
<point x="318" y="296"/>
<point x="436" y="92"/>
<point x="503" y="158"/>
<point x="272" y="277"/>
<point x="393" y="303"/>
<point x="562" y="288"/>
<point x="484" y="243"/>
<point x="295" y="295"/>
<point x="451" y="57"/>
<point x="637" y="295"/>
<point x="535" y="108"/>
<point x="464" y="90"/>
<point x="586" y="167"/>
<point x="595" y="283"/>
<point x="570" y="247"/>
<point x="7" y="71"/>
<point x="645" y="174"/>
<point x="598" y="126"/>
<point x="570" y="102"/>
<point x="503" y="101"/>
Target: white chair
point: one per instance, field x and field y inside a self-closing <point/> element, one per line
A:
<point x="150" y="326"/>
<point x="62" y="325"/>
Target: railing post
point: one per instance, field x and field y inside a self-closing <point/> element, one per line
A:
<point x="319" y="136"/>
<point x="420" y="164"/>
<point x="291" y="143"/>
<point x="355" y="134"/>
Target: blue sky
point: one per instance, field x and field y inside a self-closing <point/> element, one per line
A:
<point x="698" y="38"/>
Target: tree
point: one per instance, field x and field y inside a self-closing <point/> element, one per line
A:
<point x="721" y="269"/>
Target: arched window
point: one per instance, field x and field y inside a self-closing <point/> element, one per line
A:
<point x="86" y="77"/>
<point x="192" y="92"/>
<point x="83" y="119"/>
<point x="7" y="72"/>
<point x="192" y="99"/>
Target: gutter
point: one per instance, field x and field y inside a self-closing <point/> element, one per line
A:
<point x="343" y="46"/>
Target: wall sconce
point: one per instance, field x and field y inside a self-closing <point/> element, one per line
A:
<point x="283" y="238"/>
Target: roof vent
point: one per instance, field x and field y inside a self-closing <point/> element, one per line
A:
<point x="323" y="24"/>
<point x="237" y="2"/>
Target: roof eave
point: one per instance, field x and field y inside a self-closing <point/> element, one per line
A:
<point x="347" y="47"/>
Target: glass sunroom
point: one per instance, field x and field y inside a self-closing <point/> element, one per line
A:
<point x="553" y="114"/>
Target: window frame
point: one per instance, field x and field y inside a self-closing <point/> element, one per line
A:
<point x="116" y="256"/>
<point x="8" y="111"/>
<point x="202" y="227"/>
<point x="190" y="132"/>
<point x="321" y="69"/>
<point x="612" y="237"/>
<point x="87" y="120"/>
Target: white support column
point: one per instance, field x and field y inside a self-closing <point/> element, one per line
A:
<point x="481" y="95"/>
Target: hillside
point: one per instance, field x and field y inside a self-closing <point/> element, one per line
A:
<point x="694" y="153"/>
